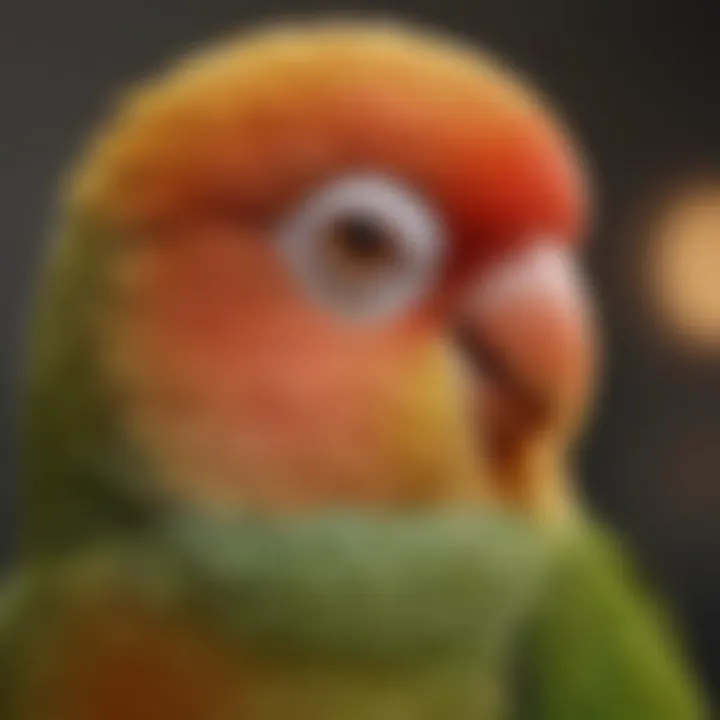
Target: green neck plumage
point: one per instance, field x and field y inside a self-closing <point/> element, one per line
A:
<point x="420" y="587"/>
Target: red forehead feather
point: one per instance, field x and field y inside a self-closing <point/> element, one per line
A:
<point x="265" y="125"/>
<point x="504" y="190"/>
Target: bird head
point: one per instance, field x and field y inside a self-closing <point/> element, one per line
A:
<point x="338" y="270"/>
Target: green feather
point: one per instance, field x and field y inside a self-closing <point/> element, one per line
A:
<point x="73" y="454"/>
<point x="599" y="647"/>
<point x="342" y="616"/>
<point x="375" y="587"/>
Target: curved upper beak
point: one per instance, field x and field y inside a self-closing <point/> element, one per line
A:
<point x="528" y="329"/>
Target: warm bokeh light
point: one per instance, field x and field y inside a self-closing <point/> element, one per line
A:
<point x="685" y="266"/>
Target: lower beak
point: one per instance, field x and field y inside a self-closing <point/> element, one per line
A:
<point x="528" y="330"/>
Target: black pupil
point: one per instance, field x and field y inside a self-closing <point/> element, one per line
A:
<point x="362" y="238"/>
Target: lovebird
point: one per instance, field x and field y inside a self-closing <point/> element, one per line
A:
<point x="309" y="359"/>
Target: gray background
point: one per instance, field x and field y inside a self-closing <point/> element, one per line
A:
<point x="639" y="83"/>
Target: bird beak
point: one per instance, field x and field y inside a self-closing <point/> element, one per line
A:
<point x="528" y="332"/>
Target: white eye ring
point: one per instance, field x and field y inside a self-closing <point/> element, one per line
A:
<point x="412" y="231"/>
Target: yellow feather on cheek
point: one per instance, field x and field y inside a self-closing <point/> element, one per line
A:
<point x="426" y="429"/>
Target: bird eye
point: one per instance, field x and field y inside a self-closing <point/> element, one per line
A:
<point x="364" y="247"/>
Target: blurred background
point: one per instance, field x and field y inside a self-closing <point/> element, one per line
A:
<point x="638" y="83"/>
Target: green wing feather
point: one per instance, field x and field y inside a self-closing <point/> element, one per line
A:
<point x="600" y="649"/>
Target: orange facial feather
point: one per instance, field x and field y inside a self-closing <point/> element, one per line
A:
<point x="233" y="384"/>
